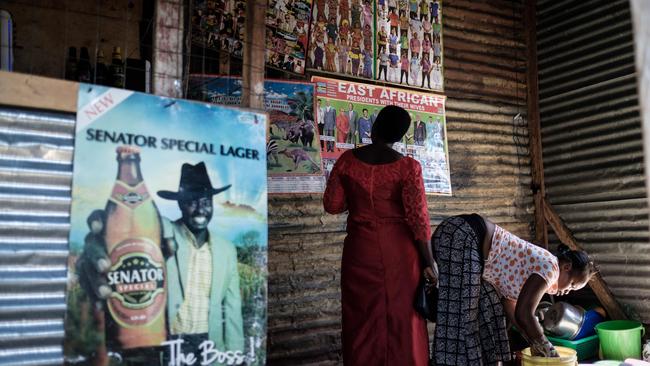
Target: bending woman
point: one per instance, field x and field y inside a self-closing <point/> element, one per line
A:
<point x="386" y="248"/>
<point x="487" y="274"/>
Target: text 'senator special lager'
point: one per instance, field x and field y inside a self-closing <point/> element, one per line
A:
<point x="137" y="274"/>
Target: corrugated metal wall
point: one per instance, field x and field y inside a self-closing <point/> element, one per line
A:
<point x="591" y="138"/>
<point x="35" y="178"/>
<point x="490" y="169"/>
<point x="485" y="81"/>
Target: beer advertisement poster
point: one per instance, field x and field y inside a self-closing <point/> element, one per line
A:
<point x="168" y="233"/>
<point x="293" y="151"/>
<point x="347" y="111"/>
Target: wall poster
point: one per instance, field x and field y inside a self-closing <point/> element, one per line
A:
<point x="347" y="110"/>
<point x="168" y="233"/>
<point x="287" y="29"/>
<point x="219" y="25"/>
<point x="409" y="43"/>
<point x="342" y="37"/>
<point x="293" y="152"/>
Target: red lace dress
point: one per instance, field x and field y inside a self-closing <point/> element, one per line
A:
<point x="380" y="268"/>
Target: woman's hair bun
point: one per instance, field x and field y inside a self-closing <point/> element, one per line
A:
<point x="563" y="249"/>
<point x="578" y="258"/>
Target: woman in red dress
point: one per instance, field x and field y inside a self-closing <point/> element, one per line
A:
<point x="386" y="248"/>
<point x="342" y="126"/>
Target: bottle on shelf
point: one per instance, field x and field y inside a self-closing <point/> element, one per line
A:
<point x="71" y="64"/>
<point x="117" y="68"/>
<point x="84" y="68"/>
<point x="101" y="71"/>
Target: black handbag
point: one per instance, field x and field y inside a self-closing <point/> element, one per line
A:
<point x="426" y="300"/>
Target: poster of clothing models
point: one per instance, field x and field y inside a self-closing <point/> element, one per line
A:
<point x="287" y="28"/>
<point x="219" y="25"/>
<point x="409" y="43"/>
<point x="293" y="154"/>
<point x="168" y="233"/>
<point x="342" y="37"/>
<point x="346" y="111"/>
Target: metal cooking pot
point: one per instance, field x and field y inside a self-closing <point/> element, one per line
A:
<point x="541" y="310"/>
<point x="563" y="320"/>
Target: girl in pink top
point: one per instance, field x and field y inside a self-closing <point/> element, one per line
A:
<point x="512" y="261"/>
<point x="476" y="259"/>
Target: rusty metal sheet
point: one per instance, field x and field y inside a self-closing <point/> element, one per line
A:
<point x="592" y="139"/>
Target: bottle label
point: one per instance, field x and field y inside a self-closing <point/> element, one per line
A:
<point x="118" y="76"/>
<point x="131" y="197"/>
<point x="137" y="278"/>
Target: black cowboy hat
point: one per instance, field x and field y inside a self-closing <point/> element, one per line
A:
<point x="194" y="183"/>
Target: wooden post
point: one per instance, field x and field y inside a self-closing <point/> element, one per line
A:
<point x="254" y="52"/>
<point x="167" y="63"/>
<point x="596" y="283"/>
<point x="535" y="136"/>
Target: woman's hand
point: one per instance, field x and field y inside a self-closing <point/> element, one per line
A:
<point x="431" y="273"/>
<point x="426" y="257"/>
<point x="529" y="297"/>
<point x="543" y="347"/>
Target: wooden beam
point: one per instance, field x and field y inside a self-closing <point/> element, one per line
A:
<point x="596" y="283"/>
<point x="535" y="136"/>
<point x="31" y="91"/>
<point x="254" y="53"/>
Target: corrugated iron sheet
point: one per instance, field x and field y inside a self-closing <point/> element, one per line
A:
<point x="35" y="176"/>
<point x="591" y="138"/>
<point x="485" y="63"/>
<point x="490" y="168"/>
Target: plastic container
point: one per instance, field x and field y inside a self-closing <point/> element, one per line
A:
<point x="587" y="348"/>
<point x="587" y="328"/>
<point x="646" y="351"/>
<point x="568" y="357"/>
<point x="620" y="339"/>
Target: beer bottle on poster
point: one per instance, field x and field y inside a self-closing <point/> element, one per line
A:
<point x="117" y="68"/>
<point x="137" y="276"/>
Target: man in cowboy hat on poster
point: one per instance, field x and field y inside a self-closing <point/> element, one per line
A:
<point x="203" y="279"/>
<point x="203" y="296"/>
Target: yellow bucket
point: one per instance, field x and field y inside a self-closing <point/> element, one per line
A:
<point x="568" y="357"/>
